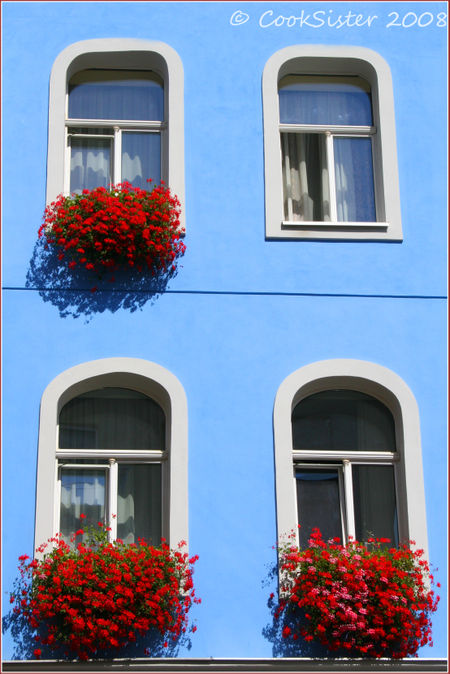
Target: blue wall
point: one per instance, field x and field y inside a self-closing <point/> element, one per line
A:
<point x="224" y="327"/>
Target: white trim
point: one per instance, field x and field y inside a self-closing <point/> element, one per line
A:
<point x="391" y="390"/>
<point x="141" y="375"/>
<point x="321" y="59"/>
<point x="124" y="53"/>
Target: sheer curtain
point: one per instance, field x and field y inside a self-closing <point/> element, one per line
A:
<point x="82" y="492"/>
<point x="90" y="163"/>
<point x="124" y="96"/>
<point x="329" y="101"/>
<point x="305" y="177"/>
<point x="139" y="503"/>
<point x="141" y="158"/>
<point x="353" y="168"/>
<point x="113" y="418"/>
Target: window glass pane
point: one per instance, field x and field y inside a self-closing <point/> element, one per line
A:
<point x="305" y="177"/>
<point x="82" y="492"/>
<point x="353" y="168"/>
<point x="375" y="505"/>
<point x="116" y="94"/>
<point x="318" y="503"/>
<point x="141" y="158"/>
<point x="112" y="418"/>
<point x="90" y="163"/>
<point x="308" y="99"/>
<point x="139" y="503"/>
<point x="342" y="420"/>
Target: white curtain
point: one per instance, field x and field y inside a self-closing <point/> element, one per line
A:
<point x="305" y="177"/>
<point x="90" y="163"/>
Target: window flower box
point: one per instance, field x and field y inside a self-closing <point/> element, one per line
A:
<point x="121" y="227"/>
<point x="360" y="600"/>
<point x="84" y="601"/>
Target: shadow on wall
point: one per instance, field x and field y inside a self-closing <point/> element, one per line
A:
<point x="150" y="645"/>
<point x="78" y="292"/>
<point x="273" y="632"/>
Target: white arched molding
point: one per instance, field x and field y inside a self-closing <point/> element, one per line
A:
<point x="119" y="53"/>
<point x="334" y="60"/>
<point x="147" y="378"/>
<point x="388" y="388"/>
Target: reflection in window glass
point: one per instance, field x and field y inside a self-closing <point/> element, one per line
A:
<point x="82" y="493"/>
<point x="318" y="503"/>
<point x="375" y="504"/>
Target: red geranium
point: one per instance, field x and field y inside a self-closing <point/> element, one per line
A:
<point x="123" y="226"/>
<point x="366" y="600"/>
<point x="101" y="595"/>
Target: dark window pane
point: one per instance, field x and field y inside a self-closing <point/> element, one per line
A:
<point x="139" y="503"/>
<point x="355" y="195"/>
<point x="342" y="420"/>
<point x="112" y="418"/>
<point x="141" y="159"/>
<point x="116" y="94"/>
<point x="308" y="99"/>
<point x="318" y="503"/>
<point x="375" y="505"/>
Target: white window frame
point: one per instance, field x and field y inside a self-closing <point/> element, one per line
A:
<point x="133" y="373"/>
<point x="333" y="60"/>
<point x="113" y="54"/>
<point x="382" y="384"/>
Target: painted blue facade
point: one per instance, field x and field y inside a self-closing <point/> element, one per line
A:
<point x="243" y="312"/>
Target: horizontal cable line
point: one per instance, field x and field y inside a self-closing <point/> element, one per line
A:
<point x="255" y="293"/>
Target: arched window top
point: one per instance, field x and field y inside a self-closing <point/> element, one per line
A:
<point x="347" y="476"/>
<point x="342" y="420"/>
<point x="112" y="418"/>
<point x="322" y="99"/>
<point x="90" y="403"/>
<point x="116" y="94"/>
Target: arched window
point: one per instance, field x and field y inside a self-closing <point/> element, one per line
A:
<point x="116" y="113"/>
<point x="347" y="454"/>
<point x="110" y="456"/>
<point x="330" y="159"/>
<point x="344" y="455"/>
<point x="118" y="455"/>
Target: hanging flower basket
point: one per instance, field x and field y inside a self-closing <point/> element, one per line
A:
<point x="101" y="595"/>
<point x="118" y="228"/>
<point x="364" y="600"/>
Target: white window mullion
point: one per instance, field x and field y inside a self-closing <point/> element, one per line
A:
<point x="331" y="176"/>
<point x="349" y="506"/>
<point x="117" y="171"/>
<point x="287" y="175"/>
<point x="67" y="163"/>
<point x="112" y="498"/>
<point x="56" y="516"/>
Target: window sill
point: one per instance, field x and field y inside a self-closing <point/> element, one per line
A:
<point x="231" y="665"/>
<point x="345" y="231"/>
<point x="334" y="225"/>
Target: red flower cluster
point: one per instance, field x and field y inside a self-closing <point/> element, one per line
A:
<point x="362" y="599"/>
<point x="124" y="226"/>
<point x="101" y="595"/>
